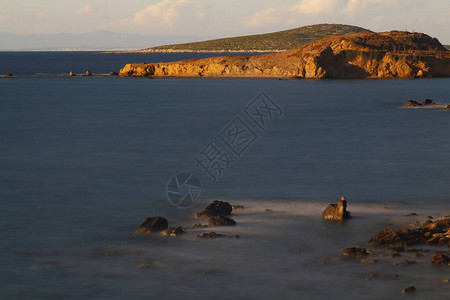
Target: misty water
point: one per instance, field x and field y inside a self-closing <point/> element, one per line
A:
<point x="84" y="160"/>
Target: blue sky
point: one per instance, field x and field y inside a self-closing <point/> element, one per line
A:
<point x="220" y="18"/>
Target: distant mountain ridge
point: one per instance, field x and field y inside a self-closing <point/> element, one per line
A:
<point x="268" y="42"/>
<point x="97" y="40"/>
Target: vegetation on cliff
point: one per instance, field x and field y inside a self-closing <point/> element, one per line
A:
<point x="395" y="54"/>
<point x="281" y="40"/>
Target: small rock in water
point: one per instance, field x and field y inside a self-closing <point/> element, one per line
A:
<point x="447" y="108"/>
<point x="216" y="208"/>
<point x="396" y="249"/>
<point x="88" y="73"/>
<point x="411" y="215"/>
<point x="237" y="207"/>
<point x="354" y="252"/>
<point x="369" y="261"/>
<point x="411" y="103"/>
<point x="409" y="290"/>
<point x="198" y="225"/>
<point x="173" y="231"/>
<point x="210" y="235"/>
<point x="152" y="224"/>
<point x="8" y="74"/>
<point x="337" y="212"/>
<point x="113" y="73"/>
<point x="268" y="210"/>
<point x="406" y="263"/>
<point x="428" y="102"/>
<point x="71" y="73"/>
<point x="385" y="237"/>
<point x="371" y="276"/>
<point x="440" y="260"/>
<point x="220" y="221"/>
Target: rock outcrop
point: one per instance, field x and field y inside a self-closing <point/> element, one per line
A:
<point x="395" y="54"/>
<point x="216" y="208"/>
<point x="337" y="212"/>
<point x="152" y="224"/>
<point x="220" y="221"/>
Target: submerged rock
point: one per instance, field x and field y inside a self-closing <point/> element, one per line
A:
<point x="409" y="290"/>
<point x="337" y="212"/>
<point x="211" y="235"/>
<point x="216" y="208"/>
<point x="385" y="237"/>
<point x="354" y="252"/>
<point x="220" y="221"/>
<point x="440" y="259"/>
<point x="236" y="207"/>
<point x="152" y="224"/>
<point x="406" y="263"/>
<point x="173" y="231"/>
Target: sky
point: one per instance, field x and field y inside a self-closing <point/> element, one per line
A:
<point x="220" y="18"/>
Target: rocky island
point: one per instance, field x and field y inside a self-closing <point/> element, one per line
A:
<point x="394" y="54"/>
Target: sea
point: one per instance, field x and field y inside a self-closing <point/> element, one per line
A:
<point x="85" y="160"/>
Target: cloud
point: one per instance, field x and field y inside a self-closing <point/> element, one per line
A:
<point x="315" y="6"/>
<point x="265" y="17"/>
<point x="165" y="13"/>
<point x="85" y="10"/>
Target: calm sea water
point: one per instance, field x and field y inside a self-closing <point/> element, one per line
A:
<point x="84" y="160"/>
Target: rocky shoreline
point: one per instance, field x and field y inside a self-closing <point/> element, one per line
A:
<point x="394" y="54"/>
<point x="402" y="247"/>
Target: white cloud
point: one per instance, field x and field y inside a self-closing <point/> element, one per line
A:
<point x="165" y="13"/>
<point x="85" y="10"/>
<point x="265" y="17"/>
<point x="315" y="6"/>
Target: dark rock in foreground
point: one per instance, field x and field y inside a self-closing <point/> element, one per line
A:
<point x="152" y="224"/>
<point x="220" y="221"/>
<point x="441" y="260"/>
<point x="173" y="231"/>
<point x="337" y="212"/>
<point x="354" y="252"/>
<point x="409" y="290"/>
<point x="217" y="208"/>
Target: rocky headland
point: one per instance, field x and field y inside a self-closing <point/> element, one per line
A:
<point x="394" y="54"/>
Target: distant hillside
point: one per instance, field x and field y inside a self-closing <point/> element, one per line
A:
<point x="394" y="54"/>
<point x="281" y="40"/>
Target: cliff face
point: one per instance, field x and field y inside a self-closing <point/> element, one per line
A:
<point x="362" y="55"/>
